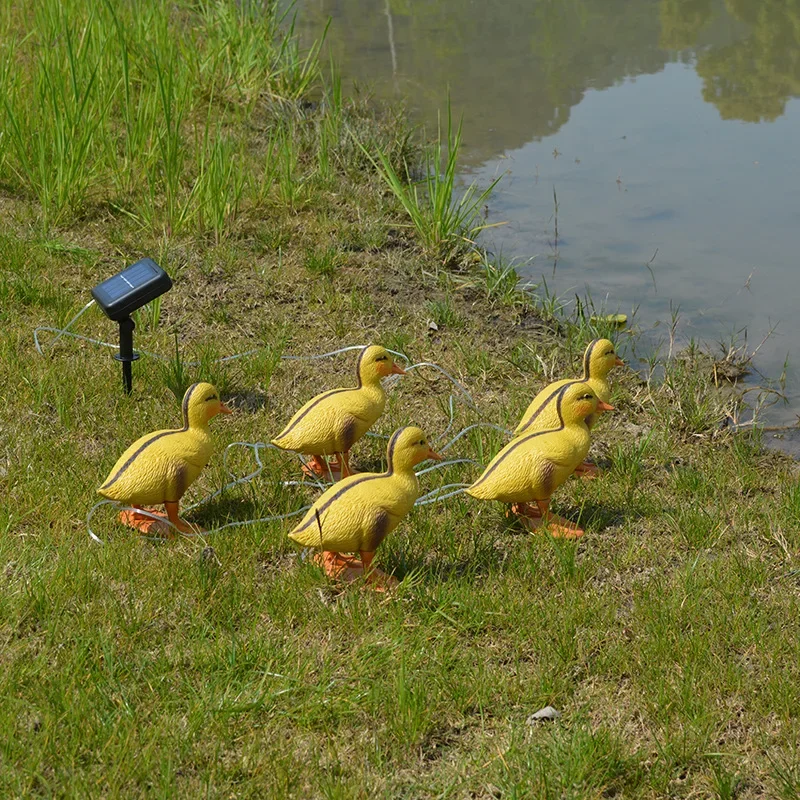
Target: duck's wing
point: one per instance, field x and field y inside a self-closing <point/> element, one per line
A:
<point x="507" y="475"/>
<point x="320" y="420"/>
<point x="140" y="450"/>
<point x="151" y="471"/>
<point x="530" y="467"/>
<point x="347" y="516"/>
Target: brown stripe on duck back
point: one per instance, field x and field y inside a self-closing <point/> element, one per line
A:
<point x="523" y="439"/>
<point x="185" y="404"/>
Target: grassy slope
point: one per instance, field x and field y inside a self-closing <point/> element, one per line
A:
<point x="668" y="637"/>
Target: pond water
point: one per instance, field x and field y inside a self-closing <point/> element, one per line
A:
<point x="669" y="131"/>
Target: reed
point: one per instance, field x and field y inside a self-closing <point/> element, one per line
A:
<point x="445" y="220"/>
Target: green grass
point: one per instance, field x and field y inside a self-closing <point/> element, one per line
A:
<point x="444" y="219"/>
<point x="667" y="637"/>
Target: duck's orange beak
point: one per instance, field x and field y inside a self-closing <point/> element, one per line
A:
<point x="619" y="362"/>
<point x="223" y="409"/>
<point x="601" y="406"/>
<point x="397" y="370"/>
<point x="433" y="455"/>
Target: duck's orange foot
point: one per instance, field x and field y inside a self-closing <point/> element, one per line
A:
<point x="556" y="526"/>
<point x="379" y="581"/>
<point x="588" y="470"/>
<point x="316" y="467"/>
<point x="524" y="510"/>
<point x="340" y="567"/>
<point x="155" y="525"/>
<point x="187" y="527"/>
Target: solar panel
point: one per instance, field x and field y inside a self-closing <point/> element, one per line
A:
<point x="132" y="288"/>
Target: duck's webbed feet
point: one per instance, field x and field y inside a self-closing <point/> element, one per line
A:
<point x="316" y="467"/>
<point x="340" y="567"/>
<point x="181" y="524"/>
<point x="377" y="580"/>
<point x="524" y="510"/>
<point x="153" y="522"/>
<point x="340" y="465"/>
<point x="551" y="523"/>
<point x="588" y="470"/>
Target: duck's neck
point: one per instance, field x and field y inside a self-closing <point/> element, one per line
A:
<point x="195" y="421"/>
<point x="578" y="429"/>
<point x="372" y="385"/>
<point x="403" y="473"/>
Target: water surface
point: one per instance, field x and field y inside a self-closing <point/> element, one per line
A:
<point x="667" y="128"/>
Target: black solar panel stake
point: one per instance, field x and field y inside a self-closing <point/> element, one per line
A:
<point x="127" y="355"/>
<point x="120" y="295"/>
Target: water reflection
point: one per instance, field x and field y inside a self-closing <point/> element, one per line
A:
<point x="751" y="79"/>
<point x="519" y="67"/>
<point x="634" y="111"/>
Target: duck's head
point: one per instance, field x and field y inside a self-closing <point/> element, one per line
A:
<point x="599" y="359"/>
<point x="375" y="363"/>
<point x="200" y="403"/>
<point x="579" y="402"/>
<point x="409" y="447"/>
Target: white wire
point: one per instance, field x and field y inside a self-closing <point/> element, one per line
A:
<point x="388" y="382"/>
<point x="441" y="464"/>
<point x="224" y="359"/>
<point x="236" y="482"/>
<point x="61" y="331"/>
<point x="435" y="496"/>
<point x="452" y="412"/>
<point x="470" y="402"/>
<point x="236" y="524"/>
<point x="472" y="427"/>
<point x="431" y="497"/>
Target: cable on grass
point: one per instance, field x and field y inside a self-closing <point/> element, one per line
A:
<point x="175" y="529"/>
<point x="222" y="360"/>
<point x="473" y="427"/>
<point x="392" y="379"/>
<point x="436" y="495"/>
<point x="389" y="382"/>
<point x="441" y="464"/>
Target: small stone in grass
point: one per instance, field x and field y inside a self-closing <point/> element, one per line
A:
<point x="208" y="557"/>
<point x="548" y="712"/>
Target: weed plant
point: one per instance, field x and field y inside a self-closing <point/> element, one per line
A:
<point x="444" y="219"/>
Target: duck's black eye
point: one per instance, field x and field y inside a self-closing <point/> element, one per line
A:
<point x="381" y="358"/>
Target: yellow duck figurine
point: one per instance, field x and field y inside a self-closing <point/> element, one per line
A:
<point x="158" y="468"/>
<point x="598" y="360"/>
<point x="356" y="514"/>
<point x="332" y="422"/>
<point x="532" y="466"/>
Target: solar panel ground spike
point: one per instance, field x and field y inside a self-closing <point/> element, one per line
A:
<point x="120" y="295"/>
